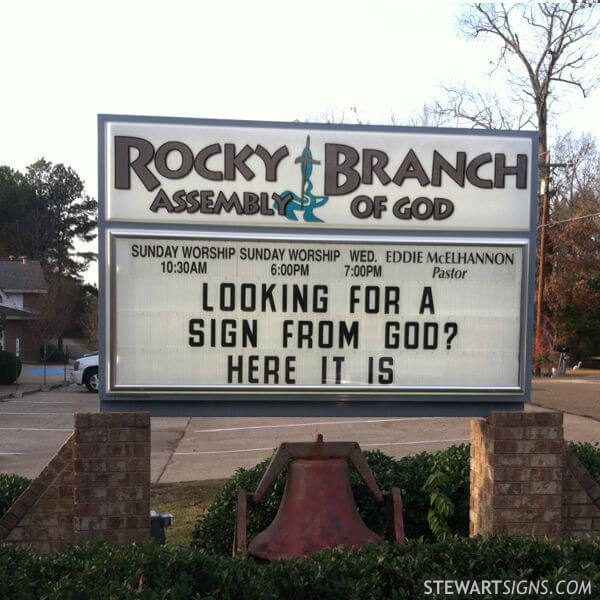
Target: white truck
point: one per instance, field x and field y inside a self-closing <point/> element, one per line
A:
<point x="85" y="372"/>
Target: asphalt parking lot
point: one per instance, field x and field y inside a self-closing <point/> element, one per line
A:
<point x="33" y="427"/>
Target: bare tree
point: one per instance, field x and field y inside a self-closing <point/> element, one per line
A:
<point x="541" y="48"/>
<point x="89" y="320"/>
<point x="429" y="116"/>
<point x="344" y="114"/>
<point x="581" y="154"/>
<point x="54" y="314"/>
<point x="573" y="281"/>
<point x="482" y="110"/>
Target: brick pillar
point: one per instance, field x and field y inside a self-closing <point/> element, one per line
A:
<point x="112" y="477"/>
<point x="517" y="462"/>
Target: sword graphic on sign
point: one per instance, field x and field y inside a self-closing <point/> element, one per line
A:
<point x="306" y="202"/>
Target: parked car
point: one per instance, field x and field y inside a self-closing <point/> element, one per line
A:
<point x="85" y="371"/>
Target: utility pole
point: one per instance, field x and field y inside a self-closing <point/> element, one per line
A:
<point x="541" y="281"/>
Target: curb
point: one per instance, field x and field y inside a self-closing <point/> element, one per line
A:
<point x="31" y="390"/>
<point x="20" y="393"/>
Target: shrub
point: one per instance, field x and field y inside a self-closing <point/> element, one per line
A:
<point x="448" y="487"/>
<point x="214" y="530"/>
<point x="384" y="572"/>
<point x="11" y="487"/>
<point x="430" y="481"/>
<point x="10" y="367"/>
<point x="589" y="455"/>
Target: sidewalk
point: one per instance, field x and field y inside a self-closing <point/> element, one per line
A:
<point x="575" y="395"/>
<point x="31" y="380"/>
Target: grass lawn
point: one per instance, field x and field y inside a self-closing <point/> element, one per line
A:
<point x="186" y="501"/>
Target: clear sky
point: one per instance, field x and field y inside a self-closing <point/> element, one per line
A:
<point x="64" y="62"/>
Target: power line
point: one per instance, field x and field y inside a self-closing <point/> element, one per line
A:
<point x="568" y="220"/>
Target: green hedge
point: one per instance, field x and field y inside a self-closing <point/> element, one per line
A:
<point x="589" y="455"/>
<point x="386" y="572"/>
<point x="442" y="475"/>
<point x="11" y="487"/>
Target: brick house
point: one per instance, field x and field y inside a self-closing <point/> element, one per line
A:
<point x="21" y="283"/>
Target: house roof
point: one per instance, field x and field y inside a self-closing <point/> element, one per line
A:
<point x="10" y="311"/>
<point x="17" y="276"/>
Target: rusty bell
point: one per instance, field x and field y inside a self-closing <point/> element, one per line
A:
<point x="317" y="510"/>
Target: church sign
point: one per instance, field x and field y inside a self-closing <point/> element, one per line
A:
<point x="252" y="268"/>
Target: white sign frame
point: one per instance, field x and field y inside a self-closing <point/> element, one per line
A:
<point x="310" y="389"/>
